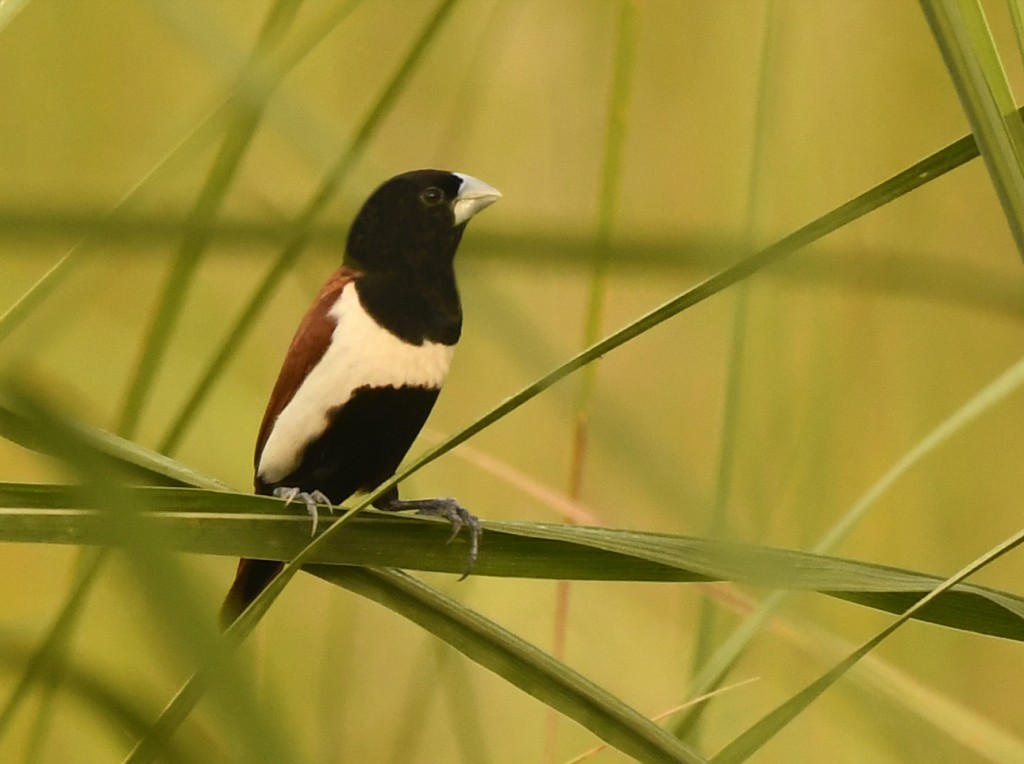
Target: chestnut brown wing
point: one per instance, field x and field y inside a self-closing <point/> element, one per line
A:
<point x="308" y="346"/>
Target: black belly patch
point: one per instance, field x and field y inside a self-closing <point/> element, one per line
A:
<point x="364" y="442"/>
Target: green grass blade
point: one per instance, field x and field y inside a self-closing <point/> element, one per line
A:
<point x="747" y="744"/>
<point x="50" y="653"/>
<point x="300" y="230"/>
<point x="140" y="463"/>
<point x="901" y="183"/>
<point x="118" y="707"/>
<point x="170" y="594"/>
<point x="610" y="189"/>
<point x="962" y="33"/>
<point x="244" y="525"/>
<point x="247" y="114"/>
<point x="1017" y="17"/>
<point x="704" y="630"/>
<point x="984" y="401"/>
<point x="721" y="663"/>
<point x="608" y="203"/>
<point x="516" y="661"/>
<point x="120" y="225"/>
<point x="110" y="224"/>
<point x="36" y="295"/>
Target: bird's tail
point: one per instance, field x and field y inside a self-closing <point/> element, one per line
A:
<point x="251" y="578"/>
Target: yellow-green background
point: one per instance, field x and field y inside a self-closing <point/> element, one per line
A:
<point x="840" y="376"/>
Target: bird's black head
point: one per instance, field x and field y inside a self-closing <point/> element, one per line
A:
<point x="416" y="219"/>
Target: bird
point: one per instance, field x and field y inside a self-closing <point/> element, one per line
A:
<point x="367" y="362"/>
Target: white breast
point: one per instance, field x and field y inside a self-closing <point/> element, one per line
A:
<point x="361" y="354"/>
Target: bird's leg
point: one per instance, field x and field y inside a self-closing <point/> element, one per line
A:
<point x="449" y="509"/>
<point x="311" y="500"/>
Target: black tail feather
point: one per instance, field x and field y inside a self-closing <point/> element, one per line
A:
<point x="251" y="578"/>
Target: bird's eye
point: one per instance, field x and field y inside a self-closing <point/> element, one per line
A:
<point x="432" y="196"/>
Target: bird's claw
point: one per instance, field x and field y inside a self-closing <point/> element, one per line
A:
<point x="311" y="500"/>
<point x="458" y="516"/>
<point x="450" y="510"/>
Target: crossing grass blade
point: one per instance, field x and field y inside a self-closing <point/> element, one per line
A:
<point x="747" y="744"/>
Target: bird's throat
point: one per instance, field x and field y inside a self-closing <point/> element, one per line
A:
<point x="417" y="306"/>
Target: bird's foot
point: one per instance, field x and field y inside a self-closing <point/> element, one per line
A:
<point x="311" y="500"/>
<point x="450" y="510"/>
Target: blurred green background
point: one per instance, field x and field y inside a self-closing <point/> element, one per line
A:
<point x="851" y="351"/>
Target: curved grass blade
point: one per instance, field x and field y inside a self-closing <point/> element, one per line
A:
<point x="515" y="660"/>
<point x="984" y="401"/>
<point x="49" y="658"/>
<point x="747" y="744"/>
<point x="120" y="710"/>
<point x="138" y="462"/>
<point x="170" y="595"/>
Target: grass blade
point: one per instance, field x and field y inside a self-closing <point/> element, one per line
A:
<point x="608" y="203"/>
<point x="747" y="744"/>
<point x="140" y="463"/>
<point x="300" y="230"/>
<point x="243" y="525"/>
<point x="48" y="656"/>
<point x="515" y="660"/>
<point x="170" y="594"/>
<point x="970" y="54"/>
<point x="984" y="401"/>
<point x="247" y="114"/>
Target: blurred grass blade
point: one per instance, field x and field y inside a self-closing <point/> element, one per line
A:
<point x="300" y="230"/>
<point x="112" y="223"/>
<point x="984" y="401"/>
<point x="139" y="462"/>
<point x="897" y="272"/>
<point x="963" y="36"/>
<point x="49" y="656"/>
<point x="608" y="203"/>
<point x="747" y="744"/>
<point x="913" y="177"/>
<point x="610" y="190"/>
<point x="118" y="225"/>
<point x="515" y="660"/>
<point x="719" y="665"/>
<point x="717" y="524"/>
<point x="246" y="114"/>
<point x="118" y="707"/>
<point x="11" y="318"/>
<point x="9" y="9"/>
<point x="1017" y="17"/>
<point x="171" y="596"/>
<point x="244" y="525"/>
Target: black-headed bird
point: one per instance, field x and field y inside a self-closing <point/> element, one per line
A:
<point x="368" y="360"/>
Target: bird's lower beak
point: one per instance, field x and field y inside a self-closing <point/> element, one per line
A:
<point x="474" y="195"/>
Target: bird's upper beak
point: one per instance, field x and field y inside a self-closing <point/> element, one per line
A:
<point x="474" y="195"/>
